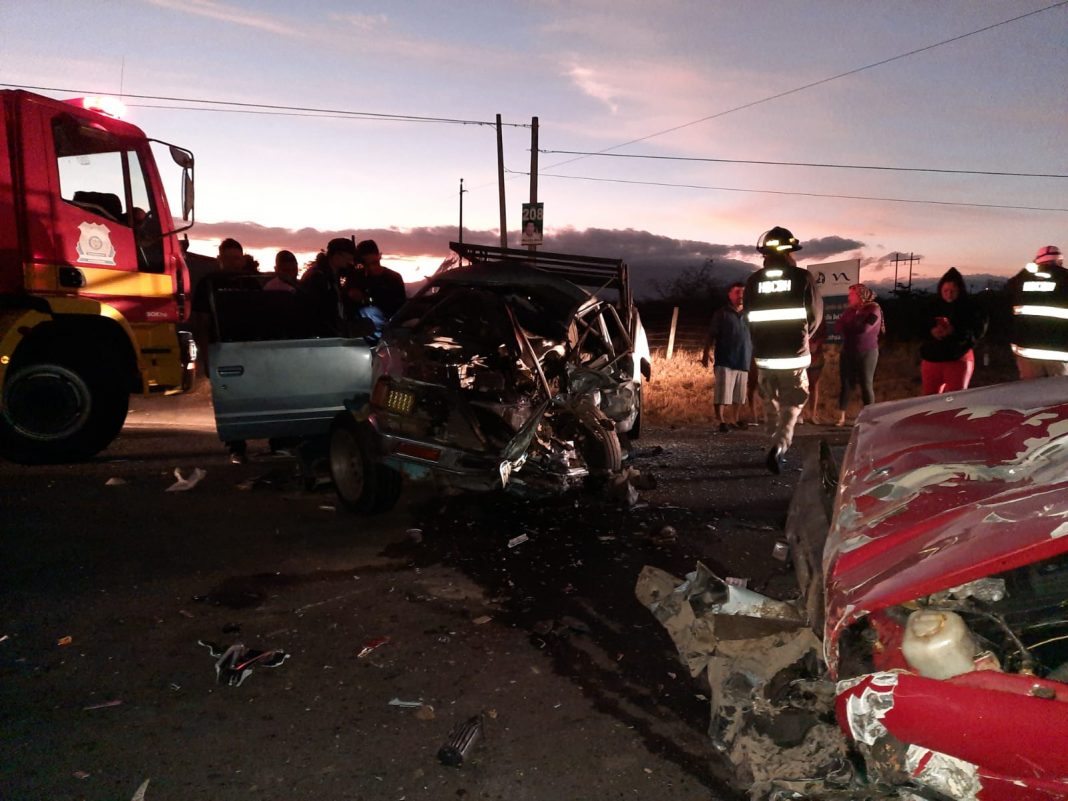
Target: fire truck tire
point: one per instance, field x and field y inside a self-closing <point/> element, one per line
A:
<point x="61" y="410"/>
<point x="362" y="485"/>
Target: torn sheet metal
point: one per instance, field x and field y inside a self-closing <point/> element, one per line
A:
<point x="234" y="664"/>
<point x="945" y="774"/>
<point x="687" y="609"/>
<point x="768" y="708"/>
<point x="865" y="712"/>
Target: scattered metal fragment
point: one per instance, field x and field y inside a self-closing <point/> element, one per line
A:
<point x="102" y="705"/>
<point x="183" y="484"/>
<point x="234" y="664"/>
<point x="372" y="645"/>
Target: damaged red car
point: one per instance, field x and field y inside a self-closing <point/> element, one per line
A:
<point x="945" y="580"/>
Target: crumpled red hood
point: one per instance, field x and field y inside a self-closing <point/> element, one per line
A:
<point x="945" y="489"/>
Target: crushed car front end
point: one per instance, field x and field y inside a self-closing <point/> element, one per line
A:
<point x="946" y="581"/>
<point x="504" y="374"/>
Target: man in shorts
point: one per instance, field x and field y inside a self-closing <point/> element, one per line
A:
<point x="729" y="342"/>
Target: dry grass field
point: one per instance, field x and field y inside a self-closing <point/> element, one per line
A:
<point x="680" y="392"/>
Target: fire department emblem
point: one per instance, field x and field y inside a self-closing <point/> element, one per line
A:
<point x="94" y="245"/>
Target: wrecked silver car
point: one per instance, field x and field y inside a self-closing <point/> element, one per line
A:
<point x="510" y="369"/>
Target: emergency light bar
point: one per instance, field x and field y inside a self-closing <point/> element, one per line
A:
<point x="102" y="104"/>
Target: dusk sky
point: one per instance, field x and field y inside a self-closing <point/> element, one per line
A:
<point x="598" y="75"/>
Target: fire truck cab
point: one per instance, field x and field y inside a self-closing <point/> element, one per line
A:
<point x="93" y="282"/>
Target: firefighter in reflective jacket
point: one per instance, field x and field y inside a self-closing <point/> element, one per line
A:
<point x="1040" y="316"/>
<point x="784" y="309"/>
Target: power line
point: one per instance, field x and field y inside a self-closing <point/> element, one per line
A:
<point x="821" y="81"/>
<point x="275" y="107"/>
<point x="801" y="164"/>
<point x="324" y="115"/>
<point x="797" y="194"/>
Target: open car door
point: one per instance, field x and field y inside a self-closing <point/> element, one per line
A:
<point x="276" y="369"/>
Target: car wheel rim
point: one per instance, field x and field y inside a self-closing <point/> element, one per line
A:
<point x="347" y="465"/>
<point x="47" y="403"/>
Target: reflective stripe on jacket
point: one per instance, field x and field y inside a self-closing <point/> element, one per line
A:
<point x="1040" y="313"/>
<point x="784" y="308"/>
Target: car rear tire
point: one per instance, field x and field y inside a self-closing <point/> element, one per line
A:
<point x="361" y="483"/>
<point x="61" y="410"/>
<point x="598" y="442"/>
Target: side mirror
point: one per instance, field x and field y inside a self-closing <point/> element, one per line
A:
<point x="182" y="157"/>
<point x="187" y="194"/>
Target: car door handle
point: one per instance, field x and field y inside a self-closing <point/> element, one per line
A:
<point x="231" y="370"/>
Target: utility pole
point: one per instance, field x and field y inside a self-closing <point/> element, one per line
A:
<point x="500" y="183"/>
<point x="898" y="259"/>
<point x="534" y="169"/>
<point x="460" y="238"/>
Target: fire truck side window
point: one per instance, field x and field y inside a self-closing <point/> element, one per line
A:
<point x="90" y="169"/>
<point x="146" y="221"/>
<point x="101" y="176"/>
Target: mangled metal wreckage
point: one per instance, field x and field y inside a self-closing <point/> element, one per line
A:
<point x="513" y="370"/>
<point x="941" y="588"/>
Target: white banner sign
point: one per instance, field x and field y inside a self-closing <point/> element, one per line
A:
<point x="835" y="277"/>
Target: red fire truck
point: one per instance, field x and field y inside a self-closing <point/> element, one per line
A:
<point x="93" y="283"/>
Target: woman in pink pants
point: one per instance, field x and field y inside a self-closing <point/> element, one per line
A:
<point x="951" y="327"/>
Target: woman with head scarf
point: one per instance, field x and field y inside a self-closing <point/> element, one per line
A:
<point x="859" y="326"/>
<point x="950" y="329"/>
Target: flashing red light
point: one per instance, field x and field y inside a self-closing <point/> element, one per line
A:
<point x="102" y="104"/>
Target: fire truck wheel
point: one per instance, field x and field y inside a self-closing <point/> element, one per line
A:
<point x="362" y="485"/>
<point x="61" y="410"/>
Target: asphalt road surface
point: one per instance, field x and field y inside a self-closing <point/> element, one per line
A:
<point x="110" y="582"/>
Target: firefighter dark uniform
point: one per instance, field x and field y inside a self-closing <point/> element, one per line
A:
<point x="784" y="310"/>
<point x="1040" y="316"/>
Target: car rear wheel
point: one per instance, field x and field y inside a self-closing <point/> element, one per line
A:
<point x="361" y="483"/>
<point x="598" y="442"/>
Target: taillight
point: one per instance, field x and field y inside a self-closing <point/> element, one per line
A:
<point x="398" y="401"/>
<point x="380" y="391"/>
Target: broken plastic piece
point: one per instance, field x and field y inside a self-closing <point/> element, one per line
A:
<point x="478" y="621"/>
<point x="406" y="704"/>
<point x="183" y="484"/>
<point x="372" y="645"/>
<point x="234" y="664"/>
<point x="65" y="640"/>
<point x="114" y="482"/>
<point x="517" y="540"/>
<point x="140" y="794"/>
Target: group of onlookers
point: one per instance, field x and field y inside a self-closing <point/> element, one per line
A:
<point x="347" y="287"/>
<point x="773" y="326"/>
